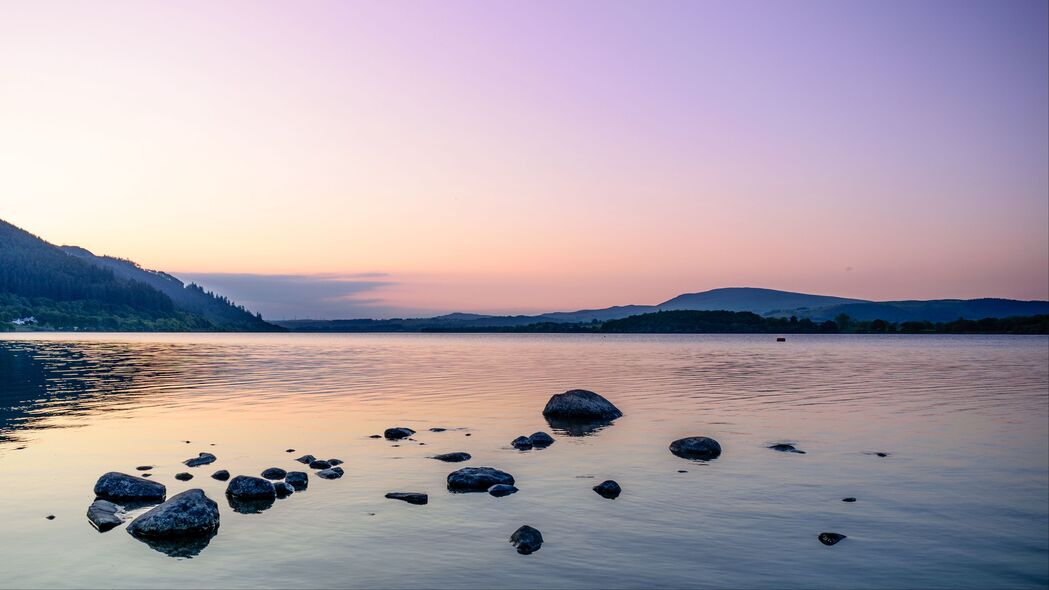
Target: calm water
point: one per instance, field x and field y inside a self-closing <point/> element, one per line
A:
<point x="962" y="500"/>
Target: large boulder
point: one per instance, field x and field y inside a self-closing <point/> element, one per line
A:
<point x="190" y="513"/>
<point x="580" y="404"/>
<point x="103" y="515"/>
<point x="200" y="459"/>
<point x="477" y="479"/>
<point x="696" y="447"/>
<point x="245" y="487"/>
<point x="527" y="540"/>
<point x="124" y="487"/>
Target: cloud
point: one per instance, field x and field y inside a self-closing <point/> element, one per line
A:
<point x="322" y="296"/>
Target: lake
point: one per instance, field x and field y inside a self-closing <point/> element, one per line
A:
<point x="960" y="500"/>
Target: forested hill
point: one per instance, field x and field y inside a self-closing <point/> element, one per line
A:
<point x="61" y="291"/>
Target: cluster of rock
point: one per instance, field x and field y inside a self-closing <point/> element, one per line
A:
<point x="538" y="440"/>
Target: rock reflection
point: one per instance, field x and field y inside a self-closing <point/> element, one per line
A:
<point x="253" y="506"/>
<point x="186" y="547"/>
<point x="575" y="427"/>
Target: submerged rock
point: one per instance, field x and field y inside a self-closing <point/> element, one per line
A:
<point x="541" y="439"/>
<point x="283" y="489"/>
<point x="786" y="448"/>
<point x="319" y="464"/>
<point x="453" y="457"/>
<point x="477" y="479"/>
<point x="248" y="487"/>
<point x="298" y="480"/>
<point x="375" y="436"/>
<point x="185" y="514"/>
<point x="830" y="538"/>
<point x="398" y="433"/>
<point x="608" y="489"/>
<point x="289" y="450"/>
<point x="184" y="476"/>
<point x="522" y="443"/>
<point x="50" y="517"/>
<point x="409" y="497"/>
<point x="221" y="475"/>
<point x="144" y="467"/>
<point x="696" y="447"/>
<point x="306" y="459"/>
<point x="120" y="486"/>
<point x="501" y="490"/>
<point x="332" y="473"/>
<point x="274" y="473"/>
<point x="849" y="499"/>
<point x="437" y="429"/>
<point x="580" y="404"/>
<point x="103" y="515"/>
<point x="527" y="540"/>
<point x="200" y="459"/>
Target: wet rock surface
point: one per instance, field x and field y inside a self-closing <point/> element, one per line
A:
<point x="120" y="486"/>
<point x="190" y="513"/>
<point x="409" y="497"/>
<point x="306" y="459"/>
<point x="104" y="515"/>
<point x="522" y="443"/>
<point x="319" y="464"/>
<point x="221" y="475"/>
<point x="696" y="447"/>
<point x="453" y="457"/>
<point x="477" y="479"/>
<point x="849" y="499"/>
<point x="580" y="404"/>
<point x="184" y="476"/>
<point x="830" y="538"/>
<point x="527" y="540"/>
<point x="283" y="489"/>
<point x="332" y="473"/>
<point x="501" y="490"/>
<point x="249" y="488"/>
<point x="608" y="489"/>
<point x="274" y="473"/>
<point x="298" y="480"/>
<point x="541" y="440"/>
<point x="397" y="433"/>
<point x="786" y="448"/>
<point x="144" y="468"/>
<point x="201" y="459"/>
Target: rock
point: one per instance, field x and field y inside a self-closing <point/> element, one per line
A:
<point x="147" y="475"/>
<point x="882" y="454"/>
<point x="375" y="436"/>
<point x="541" y="439"/>
<point x="103" y="515"/>
<point x="283" y="489"/>
<point x="500" y="490"/>
<point x="306" y="459"/>
<point x="579" y="403"/>
<point x="527" y="540"/>
<point x="522" y="443"/>
<point x="120" y="486"/>
<point x="201" y="459"/>
<point x="289" y="451"/>
<point x="333" y="473"/>
<point x="477" y="479"/>
<point x="467" y="434"/>
<point x="398" y="433"/>
<point x="786" y="448"/>
<point x="319" y="464"/>
<point x="849" y="499"/>
<point x="298" y="480"/>
<point x="274" y="473"/>
<point x="409" y="497"/>
<point x="682" y="471"/>
<point x="830" y="538"/>
<point x="608" y="489"/>
<point x="247" y="487"/>
<point x="144" y="467"/>
<point x="185" y="514"/>
<point x="334" y="462"/>
<point x="438" y="429"/>
<point x="183" y="476"/>
<point x="221" y="475"/>
<point x="696" y="447"/>
<point x="453" y="457"/>
<point x="50" y="517"/>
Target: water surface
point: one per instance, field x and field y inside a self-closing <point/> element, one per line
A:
<point x="961" y="500"/>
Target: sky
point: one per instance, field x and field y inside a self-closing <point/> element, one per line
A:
<point x="378" y="159"/>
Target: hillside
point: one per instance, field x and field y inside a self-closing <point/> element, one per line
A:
<point x="70" y="288"/>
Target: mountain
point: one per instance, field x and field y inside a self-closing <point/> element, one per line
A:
<point x="70" y="288"/>
<point x="937" y="310"/>
<point x="759" y="301"/>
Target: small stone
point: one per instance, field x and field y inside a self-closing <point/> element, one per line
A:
<point x="183" y="476"/>
<point x="290" y="451"/>
<point x="682" y="471"/>
<point x="849" y="499"/>
<point x="120" y="486"/>
<point x="221" y="475"/>
<point x="541" y="439"/>
<point x="477" y="479"/>
<point x="438" y="429"/>
<point x="144" y="467"/>
<point x="409" y="497"/>
<point x="52" y="516"/>
<point x="306" y="459"/>
<point x="332" y="473"/>
<point x="103" y="515"/>
<point x="608" y="489"/>
<point x="522" y="443"/>
<point x="250" y="488"/>
<point x="201" y="459"/>
<point x="283" y="489"/>
<point x="830" y="538"/>
<point x="786" y="448"/>
<point x="319" y="464"/>
<point x="147" y="475"/>
<point x="375" y="436"/>
<point x="298" y="480"/>
<point x="397" y="433"/>
<point x="696" y="447"/>
<point x="527" y="540"/>
<point x="274" y="473"/>
<point x="502" y="489"/>
<point x="467" y="434"/>
<point x="334" y="462"/>
<point x="882" y="454"/>
<point x="453" y="457"/>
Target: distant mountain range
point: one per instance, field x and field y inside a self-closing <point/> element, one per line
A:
<point x="765" y="302"/>
<point x="67" y="287"/>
